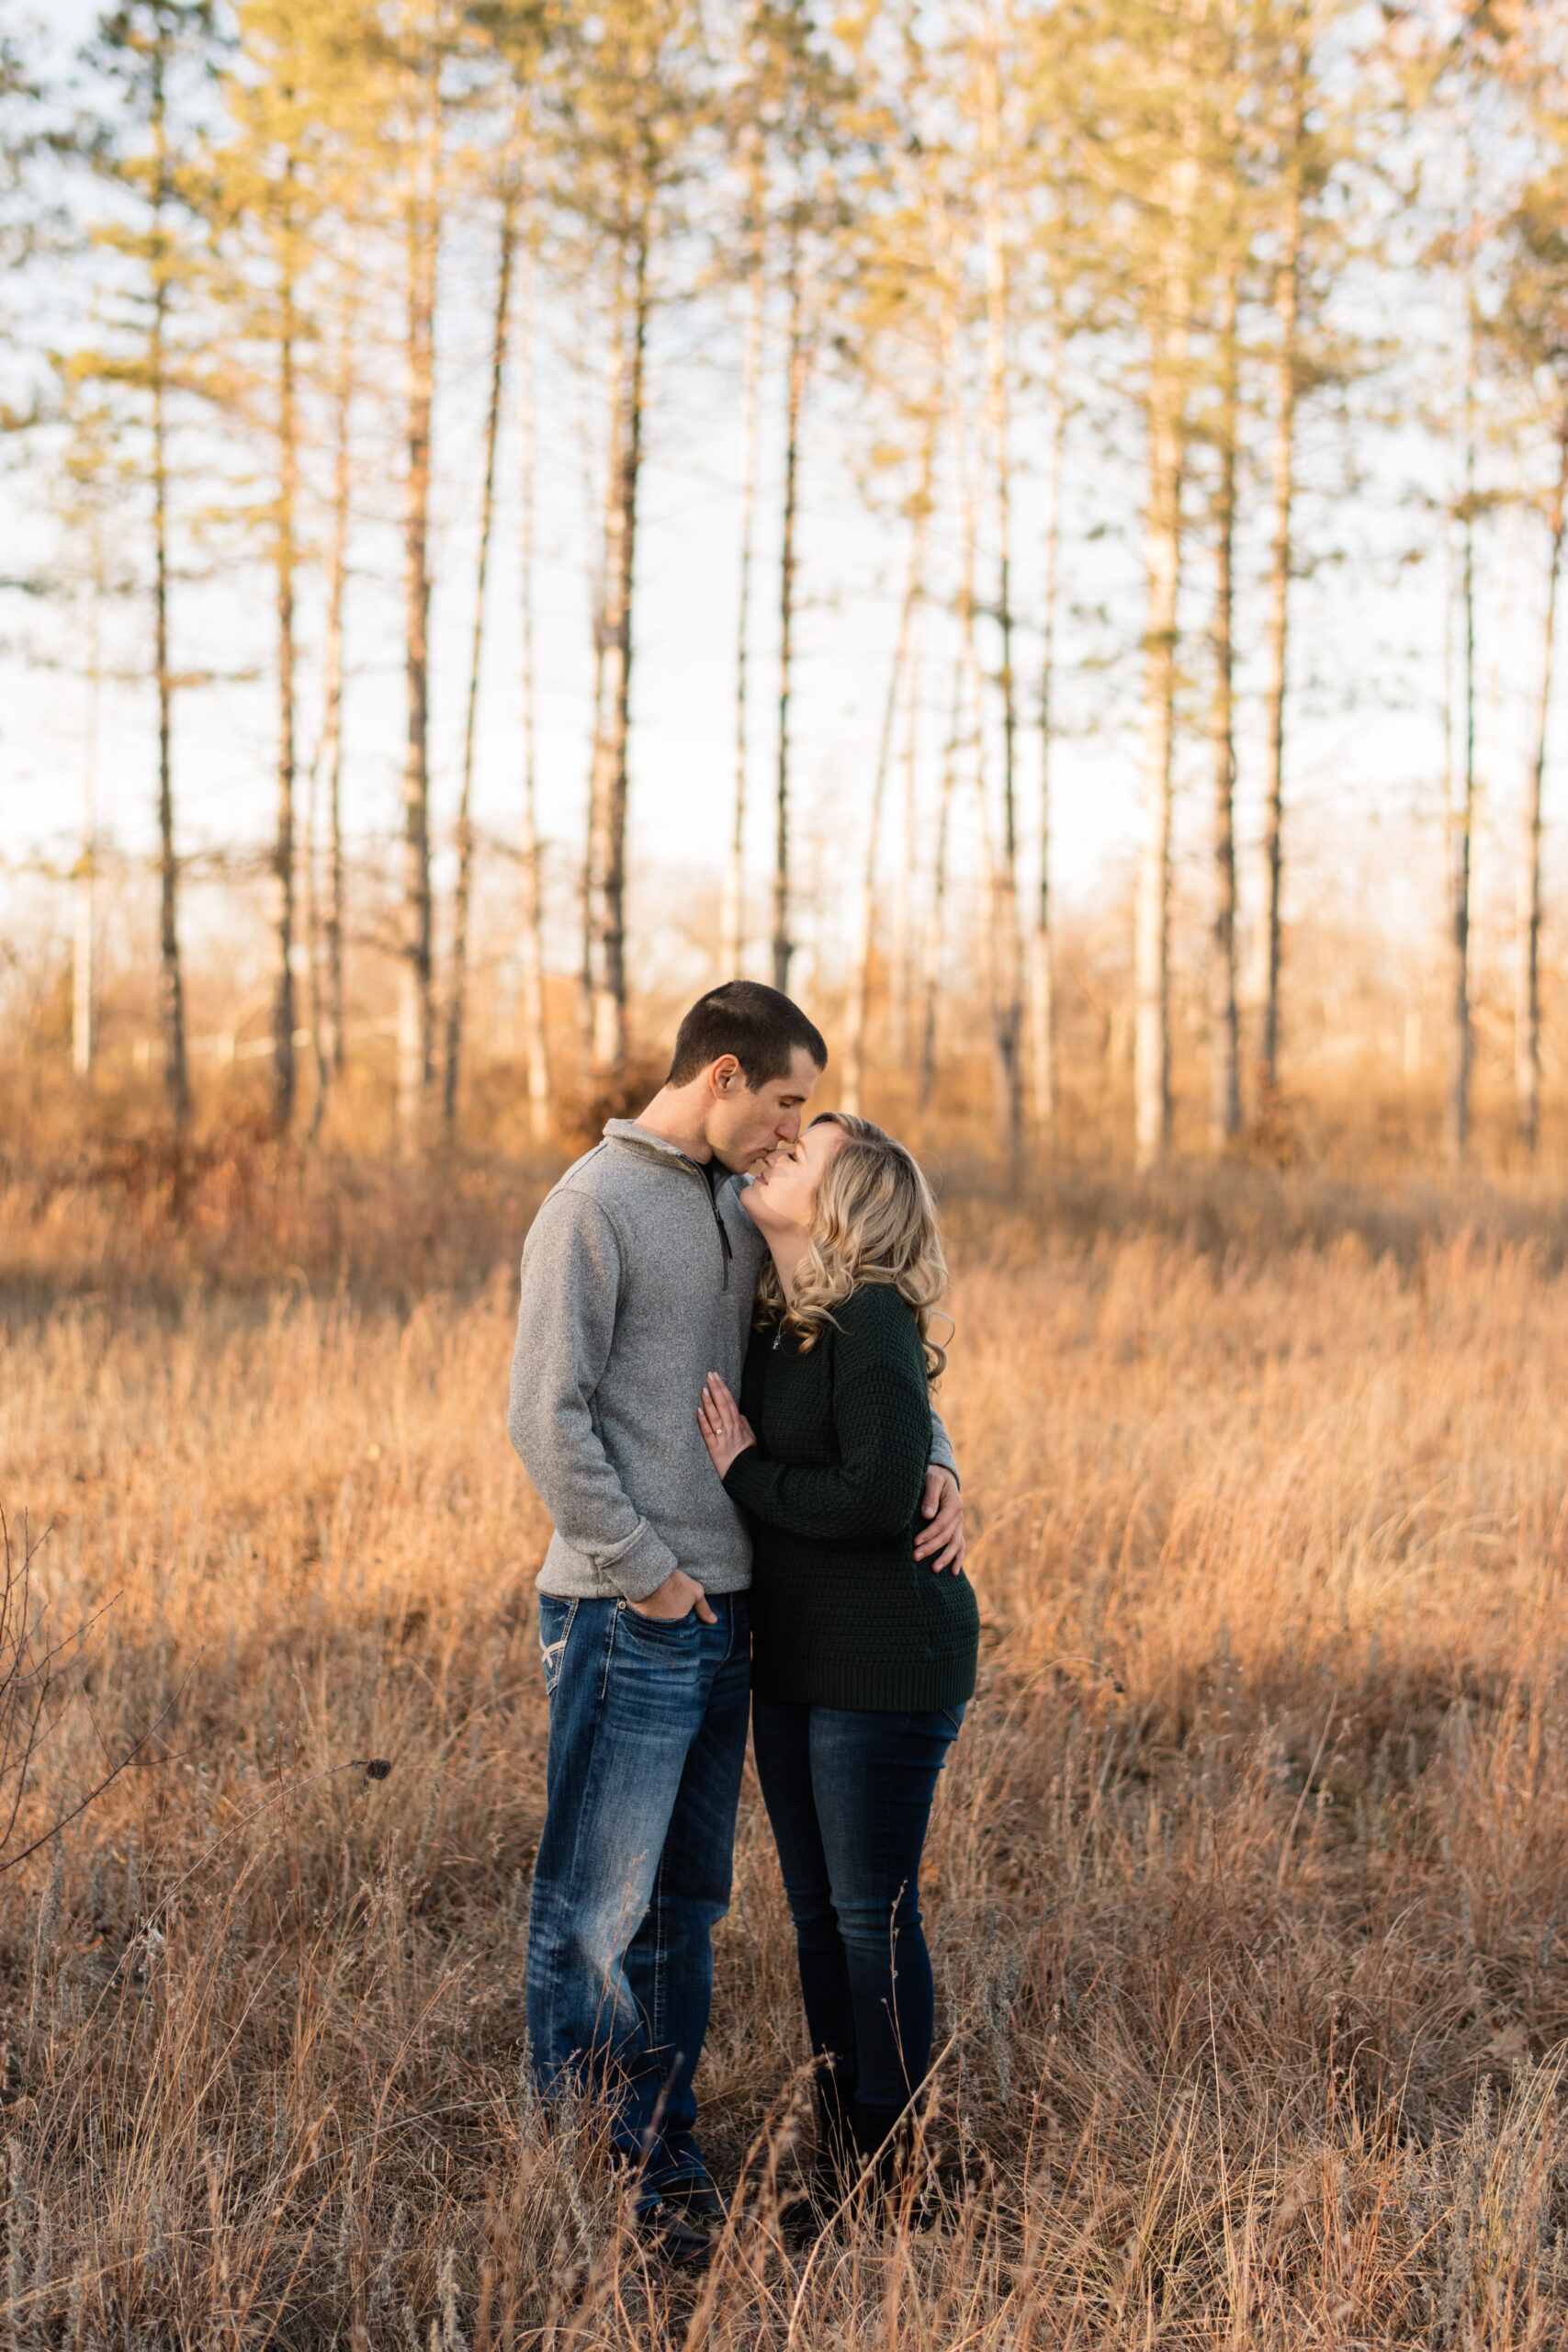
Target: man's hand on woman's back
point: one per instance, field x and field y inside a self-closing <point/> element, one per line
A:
<point x="940" y="1543"/>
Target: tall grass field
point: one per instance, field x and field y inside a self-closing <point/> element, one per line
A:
<point x="1248" y="1885"/>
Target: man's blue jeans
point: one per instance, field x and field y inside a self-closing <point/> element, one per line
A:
<point x="648" y="1739"/>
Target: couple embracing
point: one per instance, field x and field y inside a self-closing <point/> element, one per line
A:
<point x="721" y="1390"/>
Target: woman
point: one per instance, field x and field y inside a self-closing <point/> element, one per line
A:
<point x="863" y="1660"/>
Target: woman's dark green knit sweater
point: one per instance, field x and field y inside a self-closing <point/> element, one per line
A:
<point x="842" y="1613"/>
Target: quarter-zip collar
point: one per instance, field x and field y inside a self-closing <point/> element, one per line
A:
<point x="627" y="1131"/>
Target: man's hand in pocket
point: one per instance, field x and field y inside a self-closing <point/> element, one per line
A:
<point x="675" y="1597"/>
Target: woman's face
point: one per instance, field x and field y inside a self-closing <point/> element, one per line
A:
<point x="784" y="1197"/>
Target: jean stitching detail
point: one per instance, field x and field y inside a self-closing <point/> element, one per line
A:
<point x="656" y="2036"/>
<point x="552" y="1658"/>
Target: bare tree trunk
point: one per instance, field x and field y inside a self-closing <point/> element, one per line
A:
<point x="1526" y="1001"/>
<point x="1287" y="311"/>
<point x="795" y="394"/>
<point x="176" y="1075"/>
<point x="937" y="911"/>
<point x="171" y="984"/>
<point x="1462" y="825"/>
<point x="328" y="762"/>
<point x="903" y="903"/>
<point x="1168" y="337"/>
<point x="1151" y="942"/>
<point x="732" y="914"/>
<point x="82" y="967"/>
<point x="971" y="684"/>
<point x="1224" y="1074"/>
<point x="81" y="1008"/>
<point x="607" y="849"/>
<point x="456" y="1001"/>
<point x="309" y="865"/>
<point x="860" y="1007"/>
<point x="415" y="1009"/>
<point x="1007" y="961"/>
<point x="283" y="1067"/>
<point x="600" y="530"/>
<point x="535" y="1045"/>
<point x="1042" y="973"/>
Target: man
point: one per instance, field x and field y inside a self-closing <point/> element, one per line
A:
<point x="638" y="1278"/>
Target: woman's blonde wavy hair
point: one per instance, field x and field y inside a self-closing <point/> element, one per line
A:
<point x="875" y="1223"/>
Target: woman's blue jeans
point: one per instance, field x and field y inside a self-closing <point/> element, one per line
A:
<point x="849" y="1794"/>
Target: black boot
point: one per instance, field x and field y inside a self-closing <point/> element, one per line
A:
<point x="887" y="2143"/>
<point x="882" y="2139"/>
<point x="836" y="2166"/>
<point x="838" y="2153"/>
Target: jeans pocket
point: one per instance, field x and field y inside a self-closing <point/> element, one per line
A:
<point x="659" y="1629"/>
<point x="955" y="1718"/>
<point x="555" y="1628"/>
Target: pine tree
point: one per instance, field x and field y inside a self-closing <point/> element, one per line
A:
<point x="795" y="105"/>
<point x="1531" y="344"/>
<point x="275" y="179"/>
<point x="632" y="91"/>
<point x="1167" y="294"/>
<point x="155" y="56"/>
<point x="506" y="256"/>
<point x="1224" y="1044"/>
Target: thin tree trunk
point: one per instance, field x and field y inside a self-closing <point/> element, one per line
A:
<point x="608" y="845"/>
<point x="1151" y="1075"/>
<point x="328" y="762"/>
<point x="1526" y="1002"/>
<point x="82" y="967"/>
<point x="283" y="1067"/>
<point x="903" y="901"/>
<point x="1462" y="824"/>
<point x="1167" y="431"/>
<point x="1225" y="1079"/>
<point x="82" y="1038"/>
<point x="1007" y="957"/>
<point x="176" y="1075"/>
<point x="1169" y="330"/>
<point x="456" y="1001"/>
<point x="171" y="984"/>
<point x="311" y="876"/>
<point x="797" y="367"/>
<point x="937" y="911"/>
<point x="311" y="868"/>
<point x="732" y="914"/>
<point x="1042" y="962"/>
<point x="968" y="478"/>
<point x="535" y="1040"/>
<point x="860" y="1009"/>
<point x="601" y="533"/>
<point x="415" y="1009"/>
<point x="1287" y="310"/>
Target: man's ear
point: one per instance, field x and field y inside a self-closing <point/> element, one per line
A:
<point x="726" y="1077"/>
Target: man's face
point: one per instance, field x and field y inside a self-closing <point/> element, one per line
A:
<point x="743" y="1126"/>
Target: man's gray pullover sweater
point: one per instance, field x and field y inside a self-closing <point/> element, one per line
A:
<point x="638" y="1281"/>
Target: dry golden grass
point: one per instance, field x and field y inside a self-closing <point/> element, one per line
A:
<point x="1245" y="1886"/>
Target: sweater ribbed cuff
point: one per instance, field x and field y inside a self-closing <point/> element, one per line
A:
<point x="739" y="1474"/>
<point x="641" y="1567"/>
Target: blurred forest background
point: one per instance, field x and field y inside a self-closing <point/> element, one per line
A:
<point x="1149" y="425"/>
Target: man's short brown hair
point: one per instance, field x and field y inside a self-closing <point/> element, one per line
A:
<point x="761" y="1027"/>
